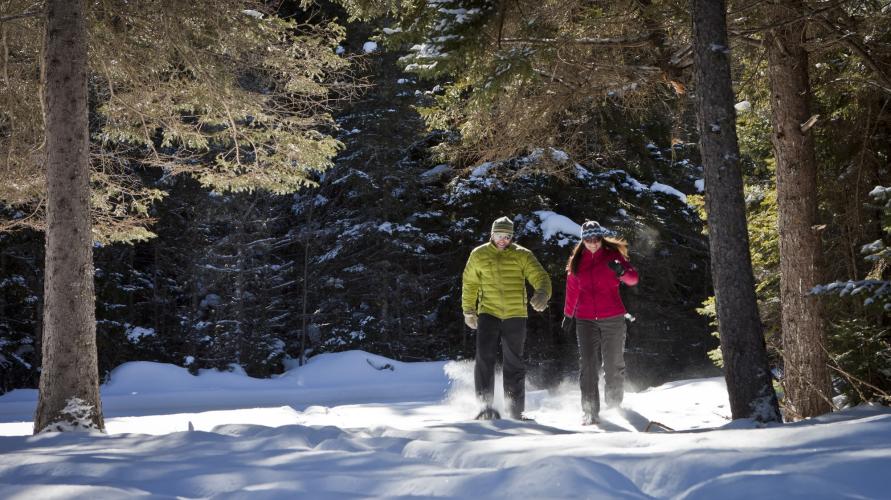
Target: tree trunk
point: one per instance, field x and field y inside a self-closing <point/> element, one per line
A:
<point x="69" y="380"/>
<point x="742" y="341"/>
<point x="806" y="373"/>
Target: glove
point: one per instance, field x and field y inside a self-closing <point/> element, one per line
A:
<point x="617" y="267"/>
<point x="539" y="300"/>
<point x="568" y="325"/>
<point x="471" y="319"/>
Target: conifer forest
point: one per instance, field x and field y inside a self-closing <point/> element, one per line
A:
<point x="236" y="184"/>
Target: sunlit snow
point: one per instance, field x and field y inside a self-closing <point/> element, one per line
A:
<point x="369" y="47"/>
<point x="665" y="188"/>
<point x="354" y="424"/>
<point x="553" y="225"/>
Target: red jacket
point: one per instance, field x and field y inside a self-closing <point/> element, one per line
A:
<point x="593" y="292"/>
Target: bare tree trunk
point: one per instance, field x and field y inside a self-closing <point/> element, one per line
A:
<point x="307" y="247"/>
<point x="742" y="340"/>
<point x="806" y="373"/>
<point x="69" y="380"/>
<point x="303" y="323"/>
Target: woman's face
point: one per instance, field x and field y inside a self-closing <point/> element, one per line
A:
<point x="593" y="244"/>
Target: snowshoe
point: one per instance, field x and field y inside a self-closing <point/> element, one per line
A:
<point x="488" y="413"/>
<point x="654" y="426"/>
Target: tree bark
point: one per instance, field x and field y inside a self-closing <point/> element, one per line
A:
<point x="69" y="380"/>
<point x="806" y="373"/>
<point x="746" y="368"/>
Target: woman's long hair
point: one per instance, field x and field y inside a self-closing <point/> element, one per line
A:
<point x="617" y="244"/>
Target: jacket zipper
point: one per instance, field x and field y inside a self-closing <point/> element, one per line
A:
<point x="593" y="283"/>
<point x="503" y="308"/>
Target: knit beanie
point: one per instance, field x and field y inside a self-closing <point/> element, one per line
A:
<point x="593" y="228"/>
<point x="503" y="225"/>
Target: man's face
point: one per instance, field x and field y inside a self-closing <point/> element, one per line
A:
<point x="502" y="240"/>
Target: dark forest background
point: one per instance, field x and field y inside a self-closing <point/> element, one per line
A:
<point x="371" y="258"/>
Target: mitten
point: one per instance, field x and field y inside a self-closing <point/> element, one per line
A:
<point x="471" y="319"/>
<point x="539" y="300"/>
<point x="617" y="267"/>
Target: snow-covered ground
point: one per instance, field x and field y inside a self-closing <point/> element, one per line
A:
<point x="353" y="425"/>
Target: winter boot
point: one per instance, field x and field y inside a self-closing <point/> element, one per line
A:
<point x="590" y="419"/>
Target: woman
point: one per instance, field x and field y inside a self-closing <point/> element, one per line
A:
<point x="596" y="267"/>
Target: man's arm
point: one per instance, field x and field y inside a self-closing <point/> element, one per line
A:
<point x="470" y="285"/>
<point x="536" y="275"/>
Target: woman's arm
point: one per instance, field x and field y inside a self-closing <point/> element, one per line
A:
<point x="572" y="294"/>
<point x="630" y="277"/>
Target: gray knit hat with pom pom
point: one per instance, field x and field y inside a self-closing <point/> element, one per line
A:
<point x="593" y="229"/>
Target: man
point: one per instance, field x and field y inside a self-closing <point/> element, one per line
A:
<point x="493" y="298"/>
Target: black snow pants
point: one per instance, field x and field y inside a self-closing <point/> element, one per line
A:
<point x="512" y="333"/>
<point x="601" y="343"/>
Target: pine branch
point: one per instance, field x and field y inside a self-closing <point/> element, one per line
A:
<point x="34" y="10"/>
<point x="599" y="42"/>
<point x="854" y="45"/>
<point x="851" y="378"/>
<point x="744" y="37"/>
<point x="848" y="81"/>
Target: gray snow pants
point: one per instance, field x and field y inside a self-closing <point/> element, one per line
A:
<point x="512" y="333"/>
<point x="601" y="343"/>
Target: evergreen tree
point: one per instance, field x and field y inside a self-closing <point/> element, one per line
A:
<point x="742" y="343"/>
<point x="69" y="379"/>
<point x="236" y="97"/>
<point x="805" y="374"/>
<point x="521" y="75"/>
<point x="237" y="100"/>
<point x="20" y="307"/>
<point x="860" y="346"/>
<point x="243" y="285"/>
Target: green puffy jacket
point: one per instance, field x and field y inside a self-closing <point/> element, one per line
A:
<point x="494" y="280"/>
